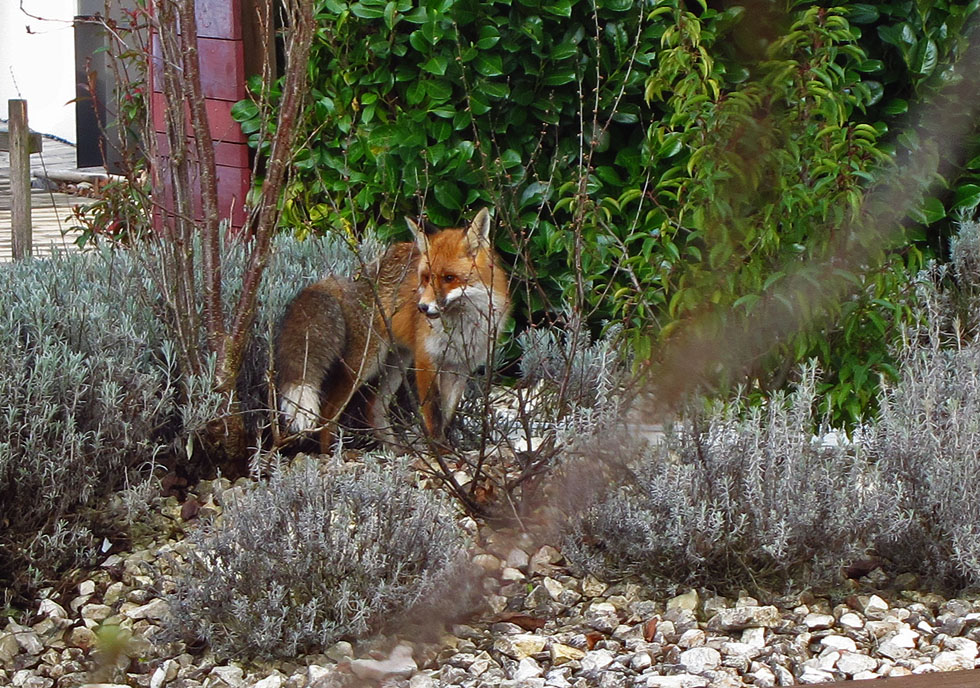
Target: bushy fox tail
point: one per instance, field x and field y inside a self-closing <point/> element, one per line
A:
<point x="300" y="404"/>
<point x="310" y="343"/>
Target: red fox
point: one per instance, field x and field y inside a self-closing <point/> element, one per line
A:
<point x="436" y="306"/>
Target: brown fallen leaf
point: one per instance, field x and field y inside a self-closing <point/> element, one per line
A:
<point x="592" y="638"/>
<point x="650" y="629"/>
<point x="189" y="509"/>
<point x="528" y="623"/>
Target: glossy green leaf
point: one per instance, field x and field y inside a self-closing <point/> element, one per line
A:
<point x="449" y="195"/>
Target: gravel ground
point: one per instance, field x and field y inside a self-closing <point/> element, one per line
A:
<point x="540" y="627"/>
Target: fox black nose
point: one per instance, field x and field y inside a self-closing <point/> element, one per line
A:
<point x="430" y="312"/>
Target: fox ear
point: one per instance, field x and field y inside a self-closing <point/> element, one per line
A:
<point x="421" y="239"/>
<point x="478" y="233"/>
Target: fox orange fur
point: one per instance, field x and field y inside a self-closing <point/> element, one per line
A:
<point x="436" y="307"/>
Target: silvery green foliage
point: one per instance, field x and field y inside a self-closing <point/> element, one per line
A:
<point x="741" y="497"/>
<point x="314" y="555"/>
<point x="576" y="382"/>
<point x="91" y="400"/>
<point x="927" y="442"/>
<point x="965" y="253"/>
<point x="93" y="392"/>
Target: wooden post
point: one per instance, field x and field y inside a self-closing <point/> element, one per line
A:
<point x="20" y="179"/>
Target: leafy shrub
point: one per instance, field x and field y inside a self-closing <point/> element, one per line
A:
<point x="313" y="556"/>
<point x="741" y="497"/>
<point x="576" y="384"/>
<point x="94" y="397"/>
<point x="92" y="400"/>
<point x="928" y="442"/>
<point x="648" y="162"/>
<point x="927" y="439"/>
<point x="118" y="216"/>
<point x="748" y="496"/>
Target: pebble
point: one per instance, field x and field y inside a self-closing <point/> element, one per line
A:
<point x="520" y="645"/>
<point x="547" y="629"/>
<point x="700" y="659"/>
<point x="400" y="664"/>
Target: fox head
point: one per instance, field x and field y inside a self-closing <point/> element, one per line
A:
<point x="455" y="265"/>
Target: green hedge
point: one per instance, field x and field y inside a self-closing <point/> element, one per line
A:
<point x="648" y="162"/>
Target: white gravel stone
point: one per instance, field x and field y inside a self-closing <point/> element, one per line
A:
<point x="676" y="681"/>
<point x="899" y="644"/>
<point x="399" y="663"/>
<point x="736" y="649"/>
<point x="826" y="661"/>
<point x="166" y="672"/>
<point x="744" y="617"/>
<point x="554" y="588"/>
<point x="480" y="664"/>
<point x="52" y="610"/>
<point x="422" y="680"/>
<point x="700" y="659"/>
<point x="754" y="637"/>
<point x="689" y="601"/>
<point x="153" y="610"/>
<point x="520" y="645"/>
<point x="518" y="558"/>
<point x="839" y="642"/>
<point x="229" y="675"/>
<point x="96" y="612"/>
<point x="851" y="620"/>
<point x="557" y="681"/>
<point x="26" y="638"/>
<point x="340" y="651"/>
<point x="9" y="648"/>
<point x="317" y="676"/>
<point x="960" y="644"/>
<point x="693" y="637"/>
<point x="763" y="677"/>
<point x="593" y="587"/>
<point x="784" y="677"/>
<point x="544" y="559"/>
<point x="562" y="654"/>
<point x="511" y="574"/>
<point x="487" y="562"/>
<point x="271" y="681"/>
<point x="602" y="616"/>
<point x="853" y="663"/>
<point x="527" y="669"/>
<point x="875" y="605"/>
<point x="818" y="622"/>
<point x="812" y="675"/>
<point x="640" y="662"/>
<point x="596" y="660"/>
<point x="954" y="661"/>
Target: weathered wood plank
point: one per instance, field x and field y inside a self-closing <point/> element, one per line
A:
<point x="948" y="679"/>
<point x="35" y="142"/>
<point x="20" y="179"/>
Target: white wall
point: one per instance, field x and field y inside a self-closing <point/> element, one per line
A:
<point x="37" y="62"/>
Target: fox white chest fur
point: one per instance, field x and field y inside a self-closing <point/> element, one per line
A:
<point x="463" y="337"/>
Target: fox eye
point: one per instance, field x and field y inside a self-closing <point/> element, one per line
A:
<point x="449" y="278"/>
<point x="424" y="278"/>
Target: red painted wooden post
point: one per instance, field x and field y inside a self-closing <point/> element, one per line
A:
<point x="222" y="58"/>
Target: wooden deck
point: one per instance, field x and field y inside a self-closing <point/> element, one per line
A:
<point x="949" y="679"/>
<point x="49" y="210"/>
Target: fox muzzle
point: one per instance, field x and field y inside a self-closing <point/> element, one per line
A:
<point x="430" y="310"/>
